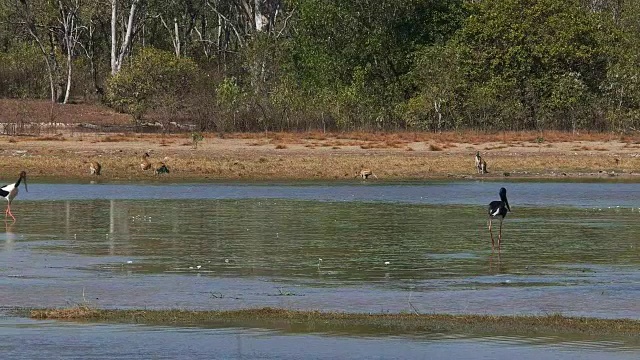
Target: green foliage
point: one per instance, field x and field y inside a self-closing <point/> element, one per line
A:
<point x="153" y="80"/>
<point x="22" y="72"/>
<point x="358" y="52"/>
<point x="229" y="94"/>
<point x="551" y="53"/>
<point x="360" y="64"/>
<point x="518" y="64"/>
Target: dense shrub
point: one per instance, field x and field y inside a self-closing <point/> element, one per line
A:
<point x="154" y="80"/>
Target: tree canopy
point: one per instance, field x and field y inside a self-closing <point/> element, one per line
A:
<point x="331" y="64"/>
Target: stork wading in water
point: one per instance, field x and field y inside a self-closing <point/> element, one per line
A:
<point x="10" y="191"/>
<point x="498" y="210"/>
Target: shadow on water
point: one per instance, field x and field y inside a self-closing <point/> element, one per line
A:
<point x="389" y="248"/>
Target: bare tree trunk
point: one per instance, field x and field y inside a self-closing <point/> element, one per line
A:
<point x="174" y="34"/>
<point x="259" y="21"/>
<point x="117" y="57"/>
<point x="176" y="37"/>
<point x="71" y="33"/>
<point x="114" y="65"/>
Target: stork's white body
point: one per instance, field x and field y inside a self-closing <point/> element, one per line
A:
<point x="10" y="192"/>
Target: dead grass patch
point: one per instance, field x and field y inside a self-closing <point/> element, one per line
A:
<point x="496" y="147"/>
<point x="114" y="138"/>
<point x="453" y="137"/>
<point x="434" y="147"/>
<point x="58" y="137"/>
<point x="281" y="146"/>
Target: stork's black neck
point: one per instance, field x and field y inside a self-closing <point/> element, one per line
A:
<point x="18" y="182"/>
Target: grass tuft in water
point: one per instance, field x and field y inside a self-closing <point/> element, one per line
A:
<point x="317" y="321"/>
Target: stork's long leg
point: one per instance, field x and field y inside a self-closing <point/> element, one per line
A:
<point x="500" y="234"/>
<point x="8" y="211"/>
<point x="491" y="233"/>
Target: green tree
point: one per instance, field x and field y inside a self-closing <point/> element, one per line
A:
<point x="152" y="80"/>
<point x="358" y="52"/>
<point x="547" y="55"/>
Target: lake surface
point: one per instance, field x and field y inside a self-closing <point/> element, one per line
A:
<point x="569" y="248"/>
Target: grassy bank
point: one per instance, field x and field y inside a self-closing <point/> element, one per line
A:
<point x="316" y="321"/>
<point x="314" y="156"/>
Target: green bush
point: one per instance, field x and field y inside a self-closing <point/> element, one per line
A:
<point x="153" y="80"/>
<point x="23" y="73"/>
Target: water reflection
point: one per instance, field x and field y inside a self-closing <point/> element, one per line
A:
<point x="27" y="339"/>
<point x="257" y="252"/>
<point x="356" y="241"/>
<point x="10" y="236"/>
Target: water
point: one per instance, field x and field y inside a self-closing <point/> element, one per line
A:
<point x="372" y="247"/>
<point x="28" y="339"/>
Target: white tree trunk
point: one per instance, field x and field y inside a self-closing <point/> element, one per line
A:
<point x="114" y="64"/>
<point x="177" y="43"/>
<point x="67" y="92"/>
<point x="259" y="19"/>
<point x="71" y="34"/>
<point x="174" y="33"/>
<point x="117" y="56"/>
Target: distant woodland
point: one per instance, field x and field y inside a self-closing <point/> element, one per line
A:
<point x="287" y="65"/>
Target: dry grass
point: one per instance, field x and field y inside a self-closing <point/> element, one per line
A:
<point x="115" y="138"/>
<point x="317" y="321"/>
<point x="50" y="138"/>
<point x="320" y="156"/>
<point x="56" y="160"/>
<point x="465" y="136"/>
<point x="72" y="313"/>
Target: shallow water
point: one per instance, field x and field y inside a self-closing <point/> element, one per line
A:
<point x="29" y="339"/>
<point x="570" y="248"/>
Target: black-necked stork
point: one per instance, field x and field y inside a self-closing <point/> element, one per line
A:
<point x="10" y="191"/>
<point x="498" y="210"/>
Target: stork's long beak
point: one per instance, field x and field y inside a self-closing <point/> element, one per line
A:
<point x="506" y="202"/>
<point x="25" y="184"/>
